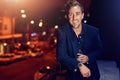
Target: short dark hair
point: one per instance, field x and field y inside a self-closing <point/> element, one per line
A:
<point x="72" y="3"/>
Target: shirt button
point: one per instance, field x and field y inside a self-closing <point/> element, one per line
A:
<point x="75" y="70"/>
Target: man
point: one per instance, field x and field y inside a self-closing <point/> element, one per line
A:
<point x="78" y="45"/>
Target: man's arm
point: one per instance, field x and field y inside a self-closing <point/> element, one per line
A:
<point x="97" y="48"/>
<point x="62" y="54"/>
<point x="84" y="70"/>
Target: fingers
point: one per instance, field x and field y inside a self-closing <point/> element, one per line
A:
<point x="82" y="58"/>
<point x="88" y="74"/>
<point x="85" y="71"/>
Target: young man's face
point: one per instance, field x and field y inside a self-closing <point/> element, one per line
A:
<point x="75" y="16"/>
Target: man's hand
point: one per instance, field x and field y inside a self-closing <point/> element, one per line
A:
<point x="85" y="71"/>
<point x="82" y="58"/>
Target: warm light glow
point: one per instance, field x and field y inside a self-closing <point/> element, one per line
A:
<point x="1" y="21"/>
<point x="28" y="43"/>
<point x="88" y="15"/>
<point x="55" y="40"/>
<point x="13" y="1"/>
<point x="56" y="26"/>
<point x="22" y="11"/>
<point x="32" y="22"/>
<point x="40" y="23"/>
<point x="44" y="33"/>
<point x="19" y="44"/>
<point x="23" y="15"/>
<point x="6" y="0"/>
<point x="48" y="67"/>
<point x="5" y="44"/>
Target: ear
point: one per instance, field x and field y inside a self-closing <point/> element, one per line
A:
<point x="82" y="15"/>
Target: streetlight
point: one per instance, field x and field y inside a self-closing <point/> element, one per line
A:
<point x="41" y="23"/>
<point x="22" y="11"/>
<point x="23" y="15"/>
<point x="32" y="22"/>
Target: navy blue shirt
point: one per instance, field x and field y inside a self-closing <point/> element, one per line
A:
<point x="80" y="42"/>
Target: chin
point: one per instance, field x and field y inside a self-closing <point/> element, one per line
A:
<point x="75" y="26"/>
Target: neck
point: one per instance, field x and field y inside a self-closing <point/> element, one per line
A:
<point x="77" y="30"/>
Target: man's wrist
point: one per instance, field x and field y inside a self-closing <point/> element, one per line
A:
<point x="79" y="64"/>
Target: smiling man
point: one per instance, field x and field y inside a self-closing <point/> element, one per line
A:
<point x="78" y="45"/>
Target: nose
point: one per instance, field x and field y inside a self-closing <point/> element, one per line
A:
<point x="74" y="17"/>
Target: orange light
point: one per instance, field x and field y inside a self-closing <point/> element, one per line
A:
<point x="32" y="22"/>
<point x="28" y="43"/>
<point x="23" y="15"/>
<point x="5" y="44"/>
<point x="55" y="40"/>
<point x="48" y="67"/>
<point x="44" y="33"/>
<point x="56" y="26"/>
<point x="22" y="11"/>
<point x="41" y="23"/>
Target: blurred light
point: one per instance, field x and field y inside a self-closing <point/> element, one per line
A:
<point x="28" y="43"/>
<point x="6" y="0"/>
<point x="40" y="23"/>
<point x="22" y="11"/>
<point x="1" y="21"/>
<point x="56" y="26"/>
<point x="55" y="40"/>
<point x="19" y="44"/>
<point x="65" y="16"/>
<point x="52" y="34"/>
<point x="12" y="1"/>
<point x="48" y="67"/>
<point x="88" y="15"/>
<point x="85" y="21"/>
<point x="32" y="21"/>
<point x="44" y="33"/>
<point x="5" y="44"/>
<point x="17" y="0"/>
<point x="33" y="34"/>
<point x="23" y="15"/>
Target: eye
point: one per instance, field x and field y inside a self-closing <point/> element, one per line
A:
<point x="70" y="14"/>
<point x="77" y="13"/>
